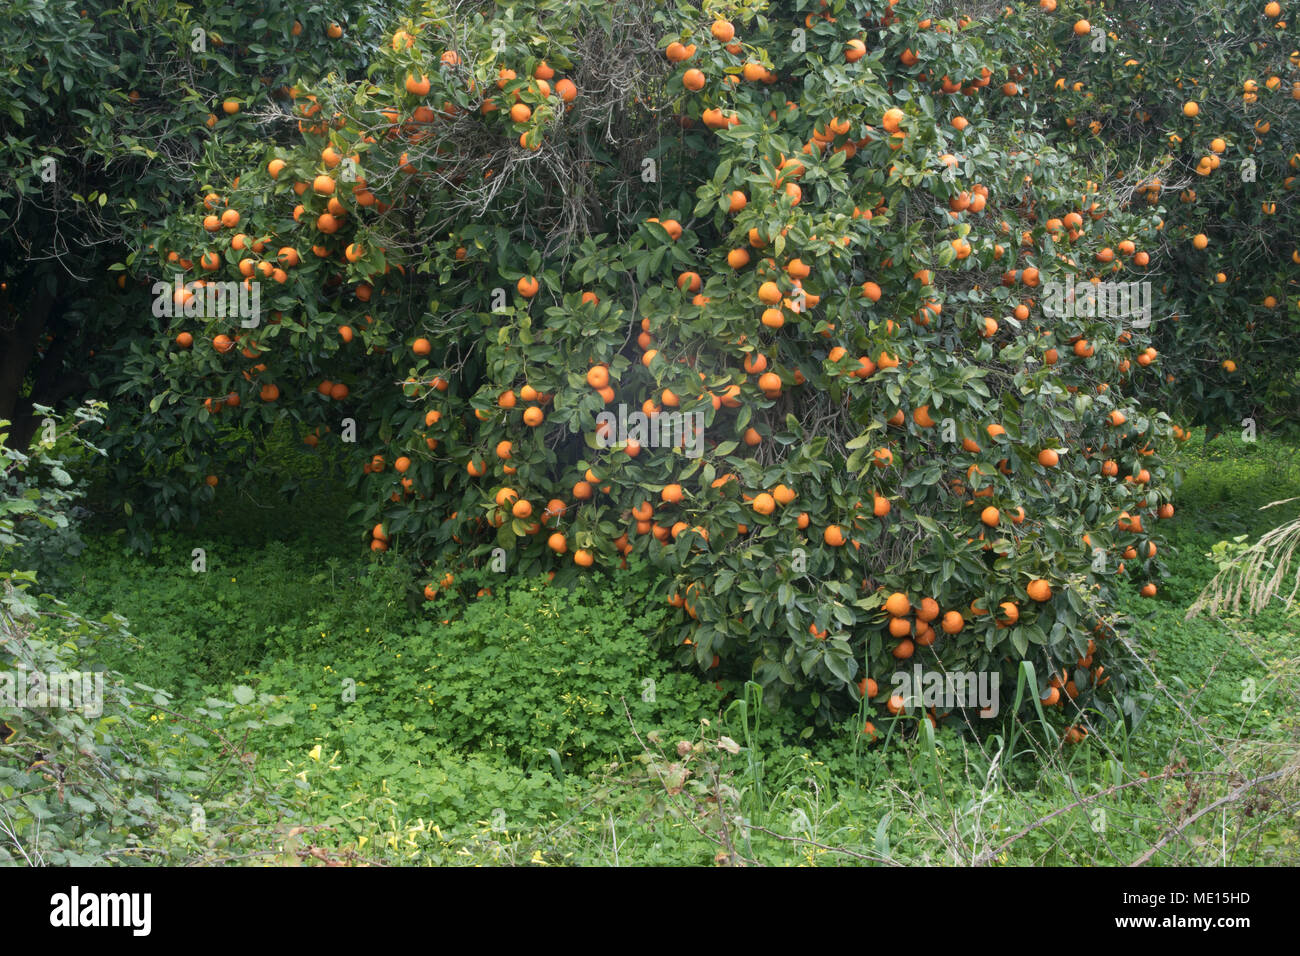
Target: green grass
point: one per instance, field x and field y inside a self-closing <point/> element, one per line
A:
<point x="497" y="729"/>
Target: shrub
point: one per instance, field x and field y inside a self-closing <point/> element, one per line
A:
<point x="842" y="263"/>
<point x="83" y="778"/>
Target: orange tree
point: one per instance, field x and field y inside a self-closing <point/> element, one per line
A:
<point x="1200" y="104"/>
<point x="107" y="112"/>
<point x="827" y="229"/>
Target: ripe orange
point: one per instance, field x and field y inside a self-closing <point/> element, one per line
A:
<point x="693" y="80"/>
<point x="1039" y="590"/>
<point x="528" y="286"/>
<point x="927" y="610"/>
<point x="898" y="605"/>
<point x="833" y="536"/>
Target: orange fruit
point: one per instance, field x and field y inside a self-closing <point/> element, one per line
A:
<point x="898" y="605"/>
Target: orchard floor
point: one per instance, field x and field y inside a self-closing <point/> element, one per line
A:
<point x="538" y="726"/>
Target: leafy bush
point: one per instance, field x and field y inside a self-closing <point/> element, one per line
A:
<point x="837" y="265"/>
<point x="537" y="675"/>
<point x="83" y="777"/>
